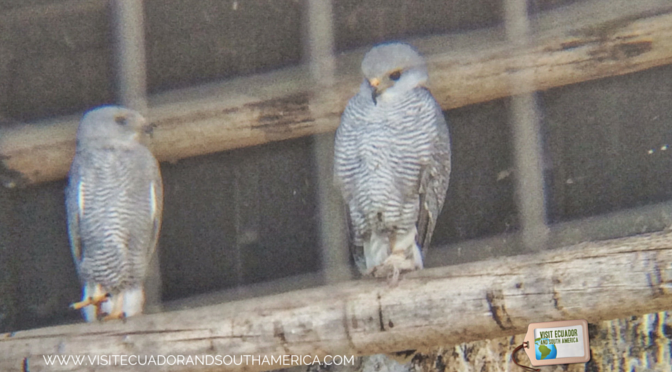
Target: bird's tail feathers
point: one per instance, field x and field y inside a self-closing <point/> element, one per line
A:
<point x="134" y="301"/>
<point x="89" y="313"/>
<point x="407" y="243"/>
<point x="376" y="249"/>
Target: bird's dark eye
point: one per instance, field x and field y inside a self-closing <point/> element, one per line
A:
<point x="121" y="120"/>
<point x="395" y="75"/>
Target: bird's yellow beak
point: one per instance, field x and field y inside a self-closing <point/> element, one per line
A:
<point x="375" y="82"/>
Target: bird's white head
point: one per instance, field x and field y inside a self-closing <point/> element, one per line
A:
<point x="391" y="70"/>
<point x="112" y="123"/>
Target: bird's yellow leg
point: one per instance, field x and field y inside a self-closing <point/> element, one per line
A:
<point x="117" y="308"/>
<point x="99" y="296"/>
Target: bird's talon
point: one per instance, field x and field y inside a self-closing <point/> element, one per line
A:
<point x="92" y="300"/>
<point x="115" y="315"/>
<point x="79" y="305"/>
<point x="371" y="272"/>
<point x="395" y="265"/>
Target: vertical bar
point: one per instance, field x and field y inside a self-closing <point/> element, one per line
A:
<point x="129" y="51"/>
<point x="131" y="79"/>
<point x="9" y="264"/>
<point x="247" y="211"/>
<point x="321" y="42"/>
<point x="320" y="46"/>
<point x="524" y="116"/>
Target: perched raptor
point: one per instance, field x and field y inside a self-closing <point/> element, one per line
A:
<point x="392" y="162"/>
<point x="114" y="201"/>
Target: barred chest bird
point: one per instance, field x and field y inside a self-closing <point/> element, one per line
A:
<point x="114" y="203"/>
<point x="392" y="162"/>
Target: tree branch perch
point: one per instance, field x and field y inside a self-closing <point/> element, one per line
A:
<point x="448" y="305"/>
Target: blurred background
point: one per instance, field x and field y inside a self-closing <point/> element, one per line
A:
<point x="251" y="221"/>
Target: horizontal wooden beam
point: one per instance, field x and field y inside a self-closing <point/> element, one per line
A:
<point x="586" y="41"/>
<point x="442" y="306"/>
<point x="626" y="222"/>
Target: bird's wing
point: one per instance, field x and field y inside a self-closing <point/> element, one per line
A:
<point x="434" y="182"/>
<point x="74" y="197"/>
<point x="341" y="146"/>
<point x="356" y="251"/>
<point x="156" y="202"/>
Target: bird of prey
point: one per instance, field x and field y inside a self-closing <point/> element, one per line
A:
<point x="392" y="162"/>
<point x="114" y="203"/>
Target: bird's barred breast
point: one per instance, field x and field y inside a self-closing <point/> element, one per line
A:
<point x="116" y="225"/>
<point x="381" y="152"/>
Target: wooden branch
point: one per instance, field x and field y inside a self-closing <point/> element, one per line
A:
<point x="448" y="305"/>
<point x="569" y="45"/>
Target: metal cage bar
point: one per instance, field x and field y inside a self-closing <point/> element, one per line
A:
<point x="524" y="119"/>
